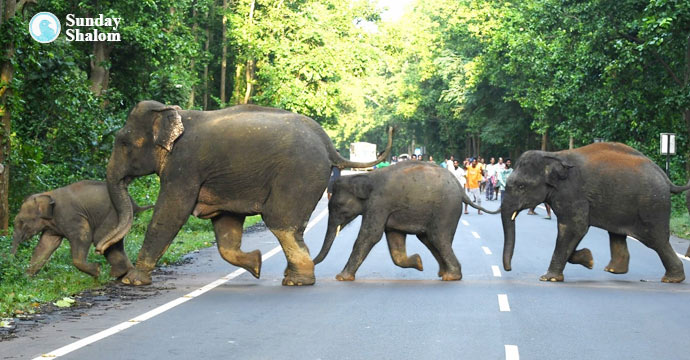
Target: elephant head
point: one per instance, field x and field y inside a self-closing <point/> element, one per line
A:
<point x="35" y="215"/>
<point x="141" y="148"/>
<point x="350" y="194"/>
<point x="537" y="176"/>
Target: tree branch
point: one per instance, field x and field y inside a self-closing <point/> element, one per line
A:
<point x="658" y="58"/>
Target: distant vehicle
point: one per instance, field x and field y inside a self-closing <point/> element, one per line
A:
<point x="363" y="152"/>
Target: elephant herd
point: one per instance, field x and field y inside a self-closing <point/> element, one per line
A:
<point x="245" y="160"/>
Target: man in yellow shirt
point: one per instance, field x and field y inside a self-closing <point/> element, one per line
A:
<point x="474" y="178"/>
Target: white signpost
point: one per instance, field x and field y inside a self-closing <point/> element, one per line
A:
<point x="668" y="146"/>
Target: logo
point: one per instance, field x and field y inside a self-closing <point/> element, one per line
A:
<point x="44" y="27"/>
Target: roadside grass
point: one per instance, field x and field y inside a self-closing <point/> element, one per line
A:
<point x="680" y="225"/>
<point x="20" y="294"/>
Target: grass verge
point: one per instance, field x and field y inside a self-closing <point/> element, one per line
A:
<point x="20" y="294"/>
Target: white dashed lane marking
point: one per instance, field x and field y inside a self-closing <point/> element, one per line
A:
<point x="474" y="233"/>
<point x="487" y="251"/>
<point x="512" y="352"/>
<point x="496" y="270"/>
<point x="464" y="222"/>
<point x="503" y="304"/>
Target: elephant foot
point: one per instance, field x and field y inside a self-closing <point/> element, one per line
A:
<point x="413" y="262"/>
<point x="118" y="273"/>
<point x="253" y="263"/>
<point x="551" y="277"/>
<point x="293" y="278"/>
<point x="451" y="276"/>
<point x="343" y="276"/>
<point x="617" y="266"/>
<point x="137" y="277"/>
<point x="582" y="257"/>
<point x="675" y="278"/>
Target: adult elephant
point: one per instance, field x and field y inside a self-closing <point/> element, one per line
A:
<point x="608" y="185"/>
<point x="223" y="165"/>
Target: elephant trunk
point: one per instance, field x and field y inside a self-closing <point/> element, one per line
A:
<point x="17" y="239"/>
<point x="508" y="220"/>
<point x="331" y="234"/>
<point x="117" y="189"/>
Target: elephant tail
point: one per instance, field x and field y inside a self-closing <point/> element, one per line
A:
<point x="675" y="189"/>
<point x="341" y="162"/>
<point x="466" y="199"/>
<point x="138" y="209"/>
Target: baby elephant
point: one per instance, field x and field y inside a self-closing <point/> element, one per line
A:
<point x="82" y="213"/>
<point x="408" y="198"/>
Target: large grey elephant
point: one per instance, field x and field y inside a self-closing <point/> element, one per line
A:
<point x="82" y="213"/>
<point x="224" y="165"/>
<point x="608" y="185"/>
<point x="408" y="198"/>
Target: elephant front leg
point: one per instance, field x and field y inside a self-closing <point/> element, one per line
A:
<point x="397" y="248"/>
<point x="80" y="251"/>
<point x="228" y="229"/>
<point x="46" y="246"/>
<point x="569" y="236"/>
<point x="369" y="234"/>
<point x="620" y="257"/>
<point x="172" y="210"/>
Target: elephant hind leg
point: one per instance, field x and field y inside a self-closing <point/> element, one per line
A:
<point x="620" y="257"/>
<point x="118" y="260"/>
<point x="228" y="230"/>
<point x="674" y="267"/>
<point x="396" y="246"/>
<point x="434" y="251"/>
<point x="450" y="268"/>
<point x="300" y="267"/>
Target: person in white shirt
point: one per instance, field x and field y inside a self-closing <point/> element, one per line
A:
<point x="459" y="173"/>
<point x="449" y="163"/>
<point x="490" y="179"/>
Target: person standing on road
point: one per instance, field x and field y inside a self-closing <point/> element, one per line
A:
<point x="460" y="174"/>
<point x="490" y="179"/>
<point x="474" y="179"/>
<point x="503" y="177"/>
<point x="500" y="166"/>
<point x="449" y="163"/>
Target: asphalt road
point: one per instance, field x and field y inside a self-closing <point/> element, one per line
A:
<point x="394" y="313"/>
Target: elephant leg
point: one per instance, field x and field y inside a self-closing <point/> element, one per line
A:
<point x="175" y="204"/>
<point x="396" y="246"/>
<point x="369" y="234"/>
<point x="228" y="229"/>
<point x="434" y="251"/>
<point x="80" y="250"/>
<point x="674" y="267"/>
<point x="569" y="236"/>
<point x="620" y="257"/>
<point x="582" y="257"/>
<point x="300" y="267"/>
<point x="46" y="246"/>
<point x="452" y="269"/>
<point x="118" y="260"/>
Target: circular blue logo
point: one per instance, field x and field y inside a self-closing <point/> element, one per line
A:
<point x="44" y="27"/>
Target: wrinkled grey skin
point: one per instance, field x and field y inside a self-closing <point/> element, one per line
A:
<point x="408" y="198"/>
<point x="82" y="213"/>
<point x="607" y="185"/>
<point x="224" y="165"/>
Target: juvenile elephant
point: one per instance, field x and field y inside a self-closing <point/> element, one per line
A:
<point x="82" y="213"/>
<point x="224" y="165"/>
<point x="608" y="185"/>
<point x="408" y="198"/>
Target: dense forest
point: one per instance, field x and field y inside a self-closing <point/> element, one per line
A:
<point x="463" y="77"/>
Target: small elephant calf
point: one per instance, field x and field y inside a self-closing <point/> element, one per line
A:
<point x="82" y="213"/>
<point x="408" y="198"/>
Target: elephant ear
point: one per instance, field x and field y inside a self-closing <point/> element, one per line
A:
<point x="167" y="126"/>
<point x="556" y="170"/>
<point x="361" y="186"/>
<point x="44" y="206"/>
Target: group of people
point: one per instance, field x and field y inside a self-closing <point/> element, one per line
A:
<point x="478" y="177"/>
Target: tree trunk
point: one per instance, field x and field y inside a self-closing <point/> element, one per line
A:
<point x="571" y="143"/>
<point x="100" y="75"/>
<point x="206" y="46"/>
<point x="544" y="140"/>
<point x="224" y="56"/>
<point x="249" y="69"/>
<point x="6" y="73"/>
<point x="192" y="65"/>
